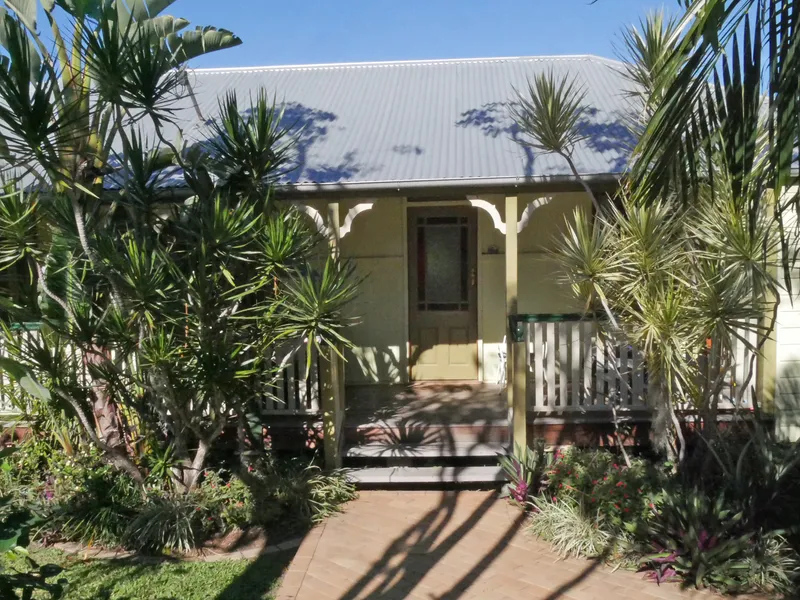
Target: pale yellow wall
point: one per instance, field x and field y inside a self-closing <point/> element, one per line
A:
<point x="541" y="284"/>
<point x="787" y="337"/>
<point x="377" y="245"/>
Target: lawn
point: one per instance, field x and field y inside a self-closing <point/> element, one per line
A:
<point x="165" y="580"/>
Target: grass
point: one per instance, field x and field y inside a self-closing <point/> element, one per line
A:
<point x="164" y="580"/>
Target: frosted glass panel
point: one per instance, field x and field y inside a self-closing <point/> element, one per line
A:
<point x="442" y="254"/>
<point x="443" y="265"/>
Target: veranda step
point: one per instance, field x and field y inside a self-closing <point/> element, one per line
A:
<point x="425" y="433"/>
<point x="459" y="449"/>
<point x="400" y="476"/>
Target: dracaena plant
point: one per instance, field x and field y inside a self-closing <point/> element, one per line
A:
<point x="162" y="321"/>
<point x="683" y="270"/>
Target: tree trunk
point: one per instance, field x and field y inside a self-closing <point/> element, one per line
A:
<point x="193" y="472"/>
<point x="662" y="419"/>
<point x="113" y="456"/>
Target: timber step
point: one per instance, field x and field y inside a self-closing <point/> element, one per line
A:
<point x="398" y="477"/>
<point x="457" y="454"/>
<point x="411" y="433"/>
<point x="459" y="449"/>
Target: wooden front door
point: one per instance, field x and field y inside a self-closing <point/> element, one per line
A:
<point x="442" y="273"/>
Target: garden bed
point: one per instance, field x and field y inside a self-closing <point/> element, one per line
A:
<point x="726" y="518"/>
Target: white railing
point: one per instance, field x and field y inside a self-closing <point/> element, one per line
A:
<point x="8" y="387"/>
<point x="571" y="371"/>
<point x="295" y="390"/>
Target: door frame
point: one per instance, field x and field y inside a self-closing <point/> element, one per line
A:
<point x="414" y="204"/>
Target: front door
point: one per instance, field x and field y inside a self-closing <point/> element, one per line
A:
<point x="442" y="253"/>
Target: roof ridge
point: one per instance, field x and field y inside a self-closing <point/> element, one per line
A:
<point x="414" y="62"/>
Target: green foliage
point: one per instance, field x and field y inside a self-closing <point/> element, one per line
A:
<point x="740" y="48"/>
<point x="232" y="501"/>
<point x="145" y="580"/>
<point x="303" y="494"/>
<point x="172" y="523"/>
<point x="83" y="499"/>
<point x="756" y="472"/>
<point x="573" y="530"/>
<point x="704" y="526"/>
<point x="180" y="313"/>
<point x="550" y="112"/>
<point x="524" y="470"/>
<point x="669" y="279"/>
<point x="699" y="539"/>
<point x="15" y="526"/>
<point x="251" y="149"/>
<point x="619" y="497"/>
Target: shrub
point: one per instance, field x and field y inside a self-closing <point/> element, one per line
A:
<point x="88" y="501"/>
<point x="702" y="541"/>
<point x="170" y="523"/>
<point x="758" y="473"/>
<point x="300" y="492"/>
<point x="773" y="566"/>
<point x="326" y="493"/>
<point x="524" y="470"/>
<point x="231" y="501"/>
<point x="724" y="521"/>
<point x="621" y="496"/>
<point x="15" y="526"/>
<point x="571" y="529"/>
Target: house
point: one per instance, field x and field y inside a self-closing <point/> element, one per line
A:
<point x="468" y="337"/>
<point x="418" y="173"/>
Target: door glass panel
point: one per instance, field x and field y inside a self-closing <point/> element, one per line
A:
<point x="442" y="270"/>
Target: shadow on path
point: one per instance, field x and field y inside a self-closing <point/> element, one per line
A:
<point x="416" y="551"/>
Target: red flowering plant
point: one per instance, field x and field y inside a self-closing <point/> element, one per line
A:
<point x="620" y="496"/>
<point x="227" y="498"/>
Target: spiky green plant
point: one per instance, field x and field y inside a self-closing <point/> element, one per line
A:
<point x="728" y="90"/>
<point x="644" y="50"/>
<point x="166" y="318"/>
<point x="549" y="114"/>
<point x="572" y="530"/>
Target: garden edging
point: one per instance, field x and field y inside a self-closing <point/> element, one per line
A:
<point x="205" y="555"/>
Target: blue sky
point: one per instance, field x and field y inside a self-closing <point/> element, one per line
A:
<point x="315" y="31"/>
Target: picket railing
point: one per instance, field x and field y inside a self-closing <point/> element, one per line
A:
<point x="8" y="388"/>
<point x="296" y="389"/>
<point x="570" y="370"/>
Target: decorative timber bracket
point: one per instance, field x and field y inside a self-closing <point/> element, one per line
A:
<point x="497" y="220"/>
<point x="344" y="227"/>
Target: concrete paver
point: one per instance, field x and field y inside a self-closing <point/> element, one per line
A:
<point x="448" y="545"/>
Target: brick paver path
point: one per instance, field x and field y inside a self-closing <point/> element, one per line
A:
<point x="443" y="546"/>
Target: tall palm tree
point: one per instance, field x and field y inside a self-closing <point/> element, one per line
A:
<point x="729" y="89"/>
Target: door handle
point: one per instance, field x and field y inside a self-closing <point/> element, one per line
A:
<point x="473" y="276"/>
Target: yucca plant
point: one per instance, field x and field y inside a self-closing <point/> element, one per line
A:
<point x="644" y="50"/>
<point x="684" y="274"/>
<point x="549" y="114"/>
<point x="166" y="320"/>
<point x="730" y="82"/>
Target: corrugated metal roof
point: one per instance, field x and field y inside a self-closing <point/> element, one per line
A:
<point x="413" y="122"/>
